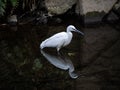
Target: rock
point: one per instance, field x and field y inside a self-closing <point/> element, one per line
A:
<point x="12" y="20"/>
<point x="56" y="7"/>
<point x="85" y="6"/>
<point x="112" y="17"/>
<point x="96" y="41"/>
<point x="93" y="10"/>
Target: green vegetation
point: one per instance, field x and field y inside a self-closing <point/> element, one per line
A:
<point x="13" y="4"/>
<point x="2" y="7"/>
<point x="95" y="13"/>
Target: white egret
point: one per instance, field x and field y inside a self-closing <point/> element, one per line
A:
<point x="61" y="39"/>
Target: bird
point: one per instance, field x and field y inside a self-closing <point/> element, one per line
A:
<point x="60" y="39"/>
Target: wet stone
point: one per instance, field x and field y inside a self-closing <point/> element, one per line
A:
<point x="97" y="40"/>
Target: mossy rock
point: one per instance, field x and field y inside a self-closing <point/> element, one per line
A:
<point x="95" y="13"/>
<point x="56" y="7"/>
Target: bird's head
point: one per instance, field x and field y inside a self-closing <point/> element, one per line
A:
<point x="72" y="28"/>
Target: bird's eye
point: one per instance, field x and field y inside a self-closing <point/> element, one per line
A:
<point x="73" y="28"/>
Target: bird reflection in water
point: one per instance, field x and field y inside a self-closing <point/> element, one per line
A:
<point x="61" y="62"/>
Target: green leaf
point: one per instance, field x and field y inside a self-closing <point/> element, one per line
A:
<point x="14" y="2"/>
<point x="2" y="7"/>
<point x="37" y="65"/>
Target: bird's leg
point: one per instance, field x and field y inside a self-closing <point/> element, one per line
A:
<point x="58" y="49"/>
<point x="59" y="53"/>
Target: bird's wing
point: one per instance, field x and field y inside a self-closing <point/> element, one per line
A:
<point x="55" y="40"/>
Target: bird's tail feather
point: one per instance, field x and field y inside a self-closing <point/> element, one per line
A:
<point x="42" y="45"/>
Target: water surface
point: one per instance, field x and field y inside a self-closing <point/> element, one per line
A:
<point x="78" y="66"/>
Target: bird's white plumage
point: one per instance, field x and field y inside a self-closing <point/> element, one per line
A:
<point x="60" y="39"/>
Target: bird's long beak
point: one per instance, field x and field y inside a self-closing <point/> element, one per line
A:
<point x="79" y="32"/>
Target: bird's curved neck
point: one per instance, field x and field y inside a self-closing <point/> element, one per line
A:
<point x="68" y="30"/>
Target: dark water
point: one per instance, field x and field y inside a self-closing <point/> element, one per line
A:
<point x="23" y="66"/>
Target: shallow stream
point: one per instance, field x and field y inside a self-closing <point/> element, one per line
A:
<point x="23" y="66"/>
